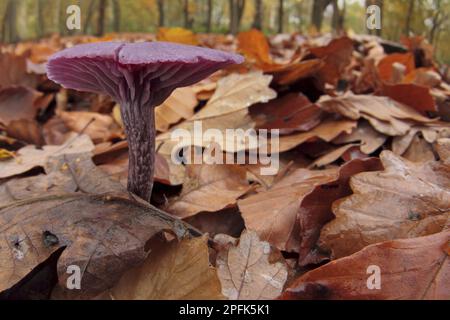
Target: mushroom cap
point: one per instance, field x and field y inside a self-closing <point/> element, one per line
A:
<point x="148" y="71"/>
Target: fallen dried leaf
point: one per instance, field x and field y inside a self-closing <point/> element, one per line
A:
<point x="174" y="271"/>
<point x="405" y="200"/>
<point x="246" y="273"/>
<point x="415" y="269"/>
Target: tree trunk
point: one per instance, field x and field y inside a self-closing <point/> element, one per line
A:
<point x="117" y="15"/>
<point x="409" y="17"/>
<point x="233" y="16"/>
<point x="9" y="22"/>
<point x="186" y="14"/>
<point x="317" y="13"/>
<point x="338" y="16"/>
<point x="236" y="13"/>
<point x="209" y="15"/>
<point x="90" y="13"/>
<point x="280" y="16"/>
<point x="40" y="18"/>
<point x="101" y="18"/>
<point x="257" y="20"/>
<point x="240" y="12"/>
<point x="161" y="13"/>
<point x="380" y="4"/>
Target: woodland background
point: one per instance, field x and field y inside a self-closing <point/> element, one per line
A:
<point x="31" y="19"/>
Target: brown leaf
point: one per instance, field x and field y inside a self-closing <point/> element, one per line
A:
<point x="290" y="113"/>
<point x="227" y="109"/>
<point x="419" y="150"/>
<point x="180" y="105"/>
<point x="337" y="56"/>
<point x="245" y="271"/>
<point x="295" y="71"/>
<point x="20" y="103"/>
<point x="30" y="157"/>
<point x="254" y="45"/>
<point x="415" y="269"/>
<point x="384" y="114"/>
<point x="332" y="155"/>
<point x="328" y="130"/>
<point x="370" y="139"/>
<point x="413" y="95"/>
<point x="405" y="200"/>
<point x="315" y="208"/>
<point x="14" y="71"/>
<point x="178" y="35"/>
<point x="76" y="206"/>
<point x="173" y="271"/>
<point x="431" y="132"/>
<point x="209" y="188"/>
<point x="236" y="92"/>
<point x="385" y="66"/>
<point x="27" y="131"/>
<point x="99" y="127"/>
<point x="272" y="213"/>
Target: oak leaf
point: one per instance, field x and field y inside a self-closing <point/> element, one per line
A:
<point x="410" y="269"/>
<point x="75" y="206"/>
<point x="209" y="188"/>
<point x="405" y="200"/>
<point x="245" y="271"/>
<point x="175" y="271"/>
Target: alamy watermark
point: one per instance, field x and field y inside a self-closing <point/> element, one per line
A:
<point x="73" y="21"/>
<point x="232" y="146"/>
<point x="373" y="21"/>
<point x="374" y="280"/>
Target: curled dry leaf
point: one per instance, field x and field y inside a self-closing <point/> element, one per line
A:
<point x="327" y="130"/>
<point x="416" y="96"/>
<point x="405" y="200"/>
<point x="236" y="92"/>
<point x="386" y="65"/>
<point x="30" y="157"/>
<point x="431" y="132"/>
<point x="333" y="155"/>
<point x="20" y="103"/>
<point x="290" y="113"/>
<point x="180" y="105"/>
<point x="315" y="208"/>
<point x="255" y="47"/>
<point x="99" y="127"/>
<point x="245" y="270"/>
<point x="177" y="35"/>
<point x="175" y="271"/>
<point x="337" y="56"/>
<point x="274" y="213"/>
<point x="370" y="139"/>
<point x="113" y="159"/>
<point x="419" y="150"/>
<point x="384" y="114"/>
<point x="209" y="188"/>
<point x="227" y="109"/>
<point x="415" y="268"/>
<point x="296" y="71"/>
<point x="14" y="71"/>
<point x="103" y="229"/>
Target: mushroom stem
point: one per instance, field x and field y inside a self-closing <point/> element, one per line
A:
<point x="139" y="122"/>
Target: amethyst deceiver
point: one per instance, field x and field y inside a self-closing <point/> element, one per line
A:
<point x="138" y="76"/>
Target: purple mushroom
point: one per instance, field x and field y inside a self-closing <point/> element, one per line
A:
<point x="138" y="76"/>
